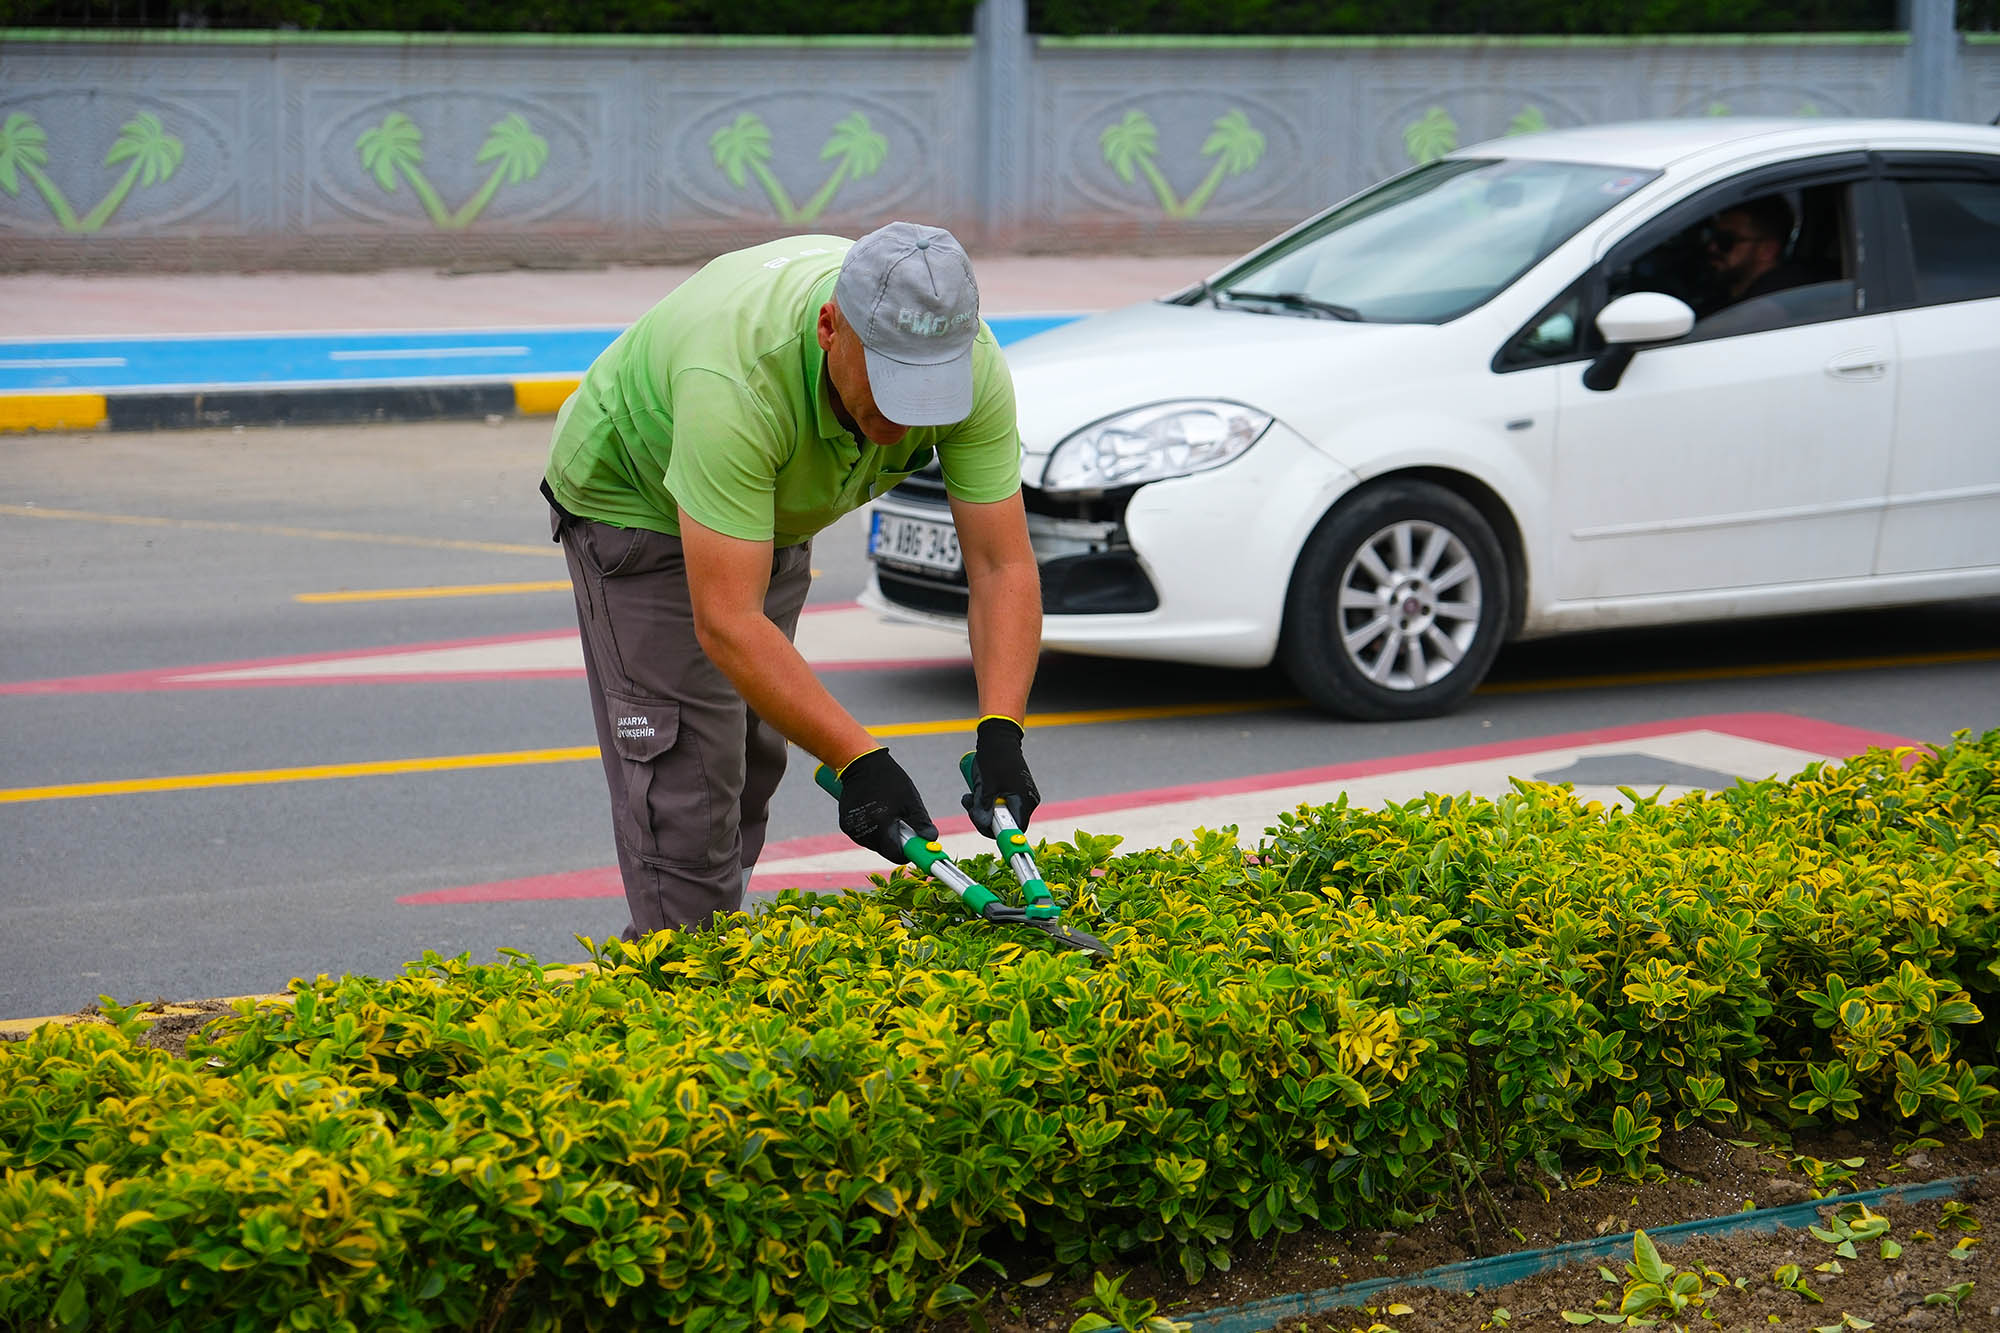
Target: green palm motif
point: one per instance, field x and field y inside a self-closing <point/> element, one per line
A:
<point x="743" y="148"/>
<point x="861" y="152"/>
<point x="521" y="153"/>
<point x="1431" y="138"/>
<point x="1807" y="108"/>
<point x="1529" y="120"/>
<point x="396" y="147"/>
<point x="24" y="152"/>
<point x="153" y="153"/>
<point x="1236" y="147"/>
<point x="1717" y="109"/>
<point x="1130" y="146"/>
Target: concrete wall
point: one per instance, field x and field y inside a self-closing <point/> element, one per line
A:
<point x="237" y="150"/>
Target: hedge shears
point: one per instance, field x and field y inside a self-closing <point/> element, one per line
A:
<point x="1042" y="911"/>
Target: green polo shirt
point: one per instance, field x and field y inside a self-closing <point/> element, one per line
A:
<point x="716" y="402"/>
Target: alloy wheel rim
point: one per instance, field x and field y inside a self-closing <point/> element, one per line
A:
<point x="1409" y="605"/>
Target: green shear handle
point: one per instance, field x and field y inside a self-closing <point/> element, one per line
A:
<point x="1014" y="847"/>
<point x="927" y="856"/>
<point x="930" y="857"/>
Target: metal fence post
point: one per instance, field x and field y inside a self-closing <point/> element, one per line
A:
<point x="1000" y="33"/>
<point x="1933" y="58"/>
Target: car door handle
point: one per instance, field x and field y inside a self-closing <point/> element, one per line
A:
<point x="1864" y="363"/>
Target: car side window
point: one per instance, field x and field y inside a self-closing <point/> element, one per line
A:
<point x="1953" y="228"/>
<point x="1759" y="262"/>
<point x="1555" y="334"/>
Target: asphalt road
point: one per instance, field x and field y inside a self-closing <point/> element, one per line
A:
<point x="128" y="553"/>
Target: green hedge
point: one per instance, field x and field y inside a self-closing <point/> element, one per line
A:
<point x="820" y="1117"/>
<point x="1053" y="17"/>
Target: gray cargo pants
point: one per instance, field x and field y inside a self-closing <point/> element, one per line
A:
<point x="690" y="767"/>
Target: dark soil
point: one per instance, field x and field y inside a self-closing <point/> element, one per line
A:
<point x="1708" y="1177"/>
<point x="1886" y="1293"/>
<point x="168" y="1024"/>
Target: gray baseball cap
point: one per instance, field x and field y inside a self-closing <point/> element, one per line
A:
<point x="908" y="291"/>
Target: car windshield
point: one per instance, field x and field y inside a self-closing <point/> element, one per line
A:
<point x="1430" y="244"/>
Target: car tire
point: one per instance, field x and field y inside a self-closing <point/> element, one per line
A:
<point x="1397" y="605"/>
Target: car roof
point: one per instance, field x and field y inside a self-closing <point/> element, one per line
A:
<point x="1660" y="145"/>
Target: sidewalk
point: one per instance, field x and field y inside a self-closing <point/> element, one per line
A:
<point x="39" y="311"/>
<point x="48" y="305"/>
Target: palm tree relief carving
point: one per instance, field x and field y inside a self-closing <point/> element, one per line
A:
<point x="151" y="154"/>
<point x="1131" y="145"/>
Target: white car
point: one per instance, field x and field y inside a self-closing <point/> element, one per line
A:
<point x="1522" y="390"/>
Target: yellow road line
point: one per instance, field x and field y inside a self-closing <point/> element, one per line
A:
<point x="946" y="726"/>
<point x="52" y="411"/>
<point x="258" y="777"/>
<point x="1090" y="717"/>
<point x="565" y="755"/>
<point x="1757" y="671"/>
<point x="454" y="590"/>
<point x="274" y="530"/>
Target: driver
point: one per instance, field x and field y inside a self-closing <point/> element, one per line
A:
<point x="1746" y="252"/>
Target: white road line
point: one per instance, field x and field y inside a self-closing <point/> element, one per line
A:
<point x="1251" y="811"/>
<point x="851" y="634"/>
<point x="61" y="362"/>
<point x="422" y="353"/>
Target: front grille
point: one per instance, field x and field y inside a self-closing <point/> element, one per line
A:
<point x="1102" y="507"/>
<point x="921" y="594"/>
<point x="926" y="488"/>
<point x="1086" y="567"/>
<point x="1107" y="583"/>
<point x="923" y="488"/>
<point x="1100" y="584"/>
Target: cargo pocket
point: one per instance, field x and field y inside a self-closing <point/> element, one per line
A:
<point x="665" y="814"/>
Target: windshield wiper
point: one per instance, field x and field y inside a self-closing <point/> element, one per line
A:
<point x="1299" y="301"/>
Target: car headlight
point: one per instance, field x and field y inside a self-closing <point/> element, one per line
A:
<point x="1149" y="443"/>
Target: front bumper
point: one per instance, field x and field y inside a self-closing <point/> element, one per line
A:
<point x="1192" y="569"/>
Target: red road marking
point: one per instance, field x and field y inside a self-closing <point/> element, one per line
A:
<point x="603" y="882"/>
<point x="1811" y="735"/>
<point x="179" y="678"/>
<point x="173" y="678"/>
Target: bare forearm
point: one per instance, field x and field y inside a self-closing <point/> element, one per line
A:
<point x="1005" y="624"/>
<point x="767" y="670"/>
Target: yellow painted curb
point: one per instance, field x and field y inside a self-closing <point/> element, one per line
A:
<point x="540" y="398"/>
<point x="454" y="590"/>
<point x="21" y="1027"/>
<point x="51" y="411"/>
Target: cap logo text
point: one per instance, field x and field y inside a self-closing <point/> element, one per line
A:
<point x="926" y="325"/>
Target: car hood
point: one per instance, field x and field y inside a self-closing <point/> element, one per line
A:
<point x="1092" y="368"/>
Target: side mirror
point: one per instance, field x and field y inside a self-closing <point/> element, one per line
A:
<point x="1645" y="317"/>
<point x="1635" y="320"/>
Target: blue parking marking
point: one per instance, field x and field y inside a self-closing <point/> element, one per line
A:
<point x="111" y="365"/>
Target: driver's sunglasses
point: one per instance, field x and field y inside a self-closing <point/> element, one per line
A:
<point x="1727" y="240"/>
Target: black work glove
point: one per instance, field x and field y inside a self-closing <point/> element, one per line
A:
<point x="999" y="773"/>
<point x="875" y="794"/>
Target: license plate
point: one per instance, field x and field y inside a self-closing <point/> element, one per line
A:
<point x="896" y="540"/>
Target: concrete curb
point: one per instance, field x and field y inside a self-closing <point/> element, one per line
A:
<point x="197" y="409"/>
